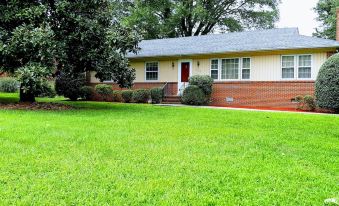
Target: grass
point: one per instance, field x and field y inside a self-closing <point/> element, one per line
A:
<point x="126" y="154"/>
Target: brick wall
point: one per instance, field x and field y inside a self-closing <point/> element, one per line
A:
<point x="260" y="94"/>
<point x="277" y="94"/>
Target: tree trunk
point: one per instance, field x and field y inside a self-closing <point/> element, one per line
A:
<point x="26" y="97"/>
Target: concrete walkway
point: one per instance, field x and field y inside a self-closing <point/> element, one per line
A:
<point x="242" y="109"/>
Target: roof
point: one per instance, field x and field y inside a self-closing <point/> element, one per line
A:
<point x="260" y="40"/>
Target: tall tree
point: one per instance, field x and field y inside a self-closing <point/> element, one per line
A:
<point x="76" y="35"/>
<point x="25" y="39"/>
<point x="174" y="18"/>
<point x="326" y="10"/>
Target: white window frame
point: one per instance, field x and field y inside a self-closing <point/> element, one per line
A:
<point x="297" y="74"/>
<point x="246" y="68"/>
<point x="240" y="68"/>
<point x="147" y="71"/>
<point x="214" y="69"/>
<point x="296" y="67"/>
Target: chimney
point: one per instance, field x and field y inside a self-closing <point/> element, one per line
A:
<point x="337" y="27"/>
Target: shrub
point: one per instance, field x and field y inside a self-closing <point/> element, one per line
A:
<point x="141" y="95"/>
<point x="117" y="96"/>
<point x="69" y="85"/>
<point x="104" y="90"/>
<point x="157" y="95"/>
<point x="9" y="85"/>
<point x="193" y="95"/>
<point x="127" y="95"/>
<point x="86" y="92"/>
<point x="327" y="84"/>
<point x="46" y="90"/>
<point x="33" y="80"/>
<point x="306" y="102"/>
<point x="204" y="82"/>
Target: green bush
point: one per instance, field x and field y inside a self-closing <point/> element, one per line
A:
<point x="327" y="84"/>
<point x="9" y="85"/>
<point x="104" y="90"/>
<point x="193" y="95"/>
<point x="46" y="90"/>
<point x="306" y="103"/>
<point x="157" y="95"/>
<point x="127" y="95"/>
<point x="204" y="82"/>
<point x="86" y="92"/>
<point x="117" y="96"/>
<point x="141" y="95"/>
<point x="33" y="80"/>
<point x="69" y="85"/>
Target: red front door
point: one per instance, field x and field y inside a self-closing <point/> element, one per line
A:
<point x="185" y="71"/>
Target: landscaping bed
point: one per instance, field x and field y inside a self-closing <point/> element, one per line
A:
<point x="35" y="106"/>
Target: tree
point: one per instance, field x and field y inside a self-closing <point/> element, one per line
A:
<point x="326" y="11"/>
<point x="26" y="39"/>
<point x="90" y="38"/>
<point x="175" y="18"/>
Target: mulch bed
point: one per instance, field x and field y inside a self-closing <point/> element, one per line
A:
<point x="36" y="106"/>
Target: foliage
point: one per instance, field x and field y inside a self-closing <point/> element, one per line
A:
<point x="46" y="90"/>
<point x="93" y="39"/>
<point x="157" y="95"/>
<point x="69" y="86"/>
<point x="327" y="84"/>
<point x="207" y="152"/>
<point x="193" y="95"/>
<point x="204" y="82"/>
<point x="34" y="81"/>
<point x="326" y="11"/>
<point x="168" y="18"/>
<point x="9" y="85"/>
<point x="104" y="90"/>
<point x="141" y="95"/>
<point x="127" y="95"/>
<point x="117" y="96"/>
<point x="86" y="92"/>
<point x="306" y="103"/>
<point x="75" y="36"/>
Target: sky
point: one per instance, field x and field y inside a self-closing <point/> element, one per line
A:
<point x="298" y="13"/>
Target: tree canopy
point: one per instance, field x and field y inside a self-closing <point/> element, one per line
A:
<point x="73" y="35"/>
<point x="326" y="11"/>
<point x="175" y="18"/>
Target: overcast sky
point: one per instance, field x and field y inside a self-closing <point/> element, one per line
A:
<point x="298" y="13"/>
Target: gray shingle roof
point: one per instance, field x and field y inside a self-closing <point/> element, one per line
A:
<point x="262" y="40"/>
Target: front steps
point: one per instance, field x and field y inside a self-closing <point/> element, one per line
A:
<point x="171" y="100"/>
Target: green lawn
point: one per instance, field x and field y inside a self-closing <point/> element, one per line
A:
<point x="126" y="154"/>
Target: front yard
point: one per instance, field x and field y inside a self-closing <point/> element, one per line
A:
<point x="127" y="154"/>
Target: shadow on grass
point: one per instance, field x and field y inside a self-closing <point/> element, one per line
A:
<point x="11" y="98"/>
<point x="8" y="98"/>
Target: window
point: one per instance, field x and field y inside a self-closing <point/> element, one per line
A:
<point x="246" y="68"/>
<point x="287" y="67"/>
<point x="152" y="71"/>
<point x="304" y="66"/>
<point x="300" y="63"/>
<point x="230" y="69"/>
<point x="215" y="69"/>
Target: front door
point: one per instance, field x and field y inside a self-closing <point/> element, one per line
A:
<point x="185" y="71"/>
<point x="184" y="75"/>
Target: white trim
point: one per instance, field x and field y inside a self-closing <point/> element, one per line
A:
<point x="145" y="71"/>
<point x="297" y="75"/>
<point x="296" y="67"/>
<point x="241" y="68"/>
<point x="190" y="61"/>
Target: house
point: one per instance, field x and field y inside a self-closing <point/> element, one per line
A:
<point x="265" y="68"/>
